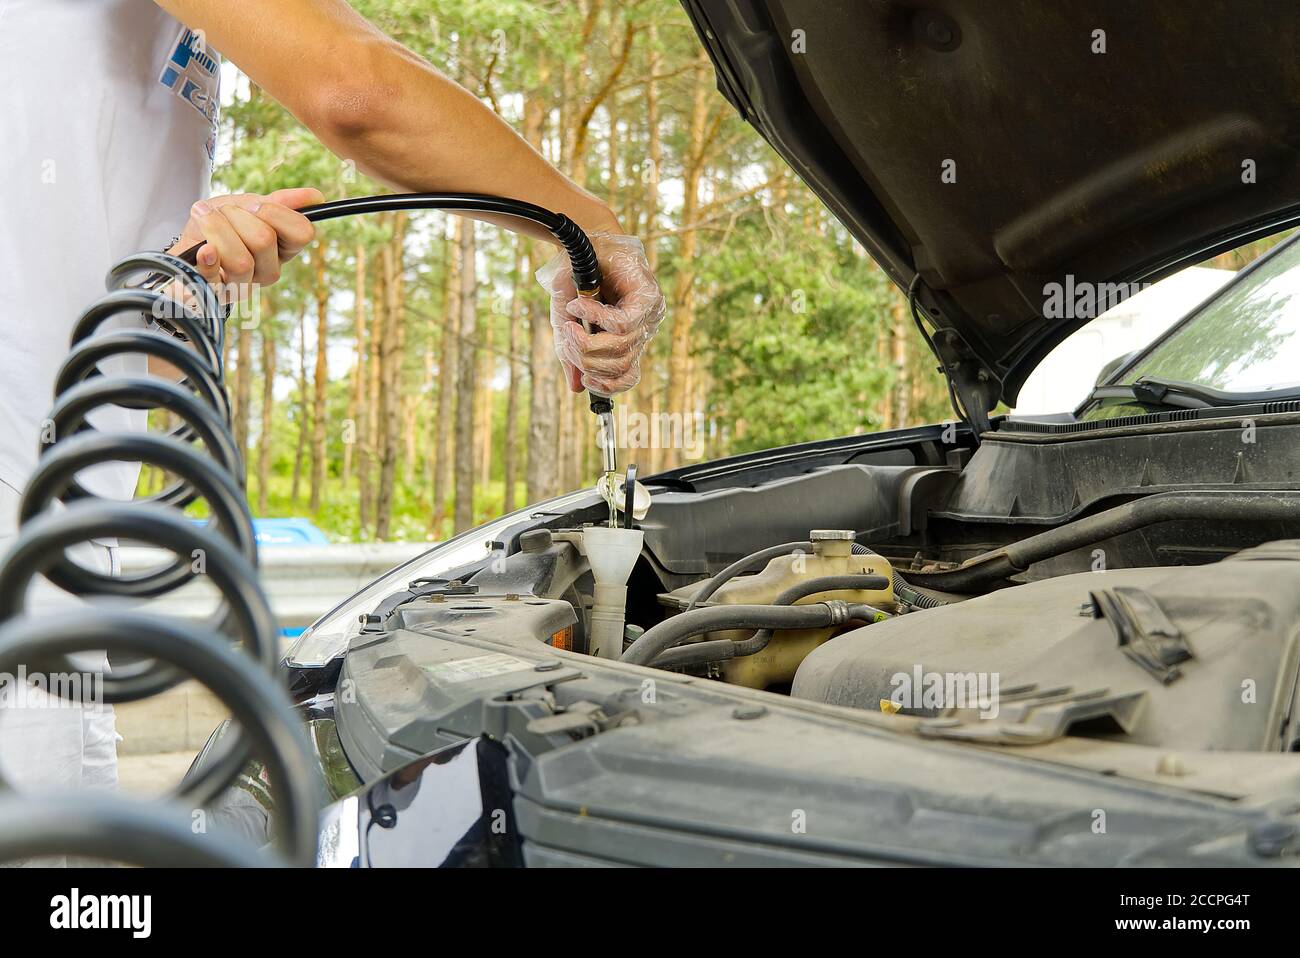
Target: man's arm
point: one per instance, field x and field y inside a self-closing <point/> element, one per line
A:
<point x="371" y="100"/>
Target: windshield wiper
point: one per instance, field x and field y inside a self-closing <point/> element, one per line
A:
<point x="1158" y="394"/>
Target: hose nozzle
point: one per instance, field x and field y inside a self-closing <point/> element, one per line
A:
<point x="608" y="454"/>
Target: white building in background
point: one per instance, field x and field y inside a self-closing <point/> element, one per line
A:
<point x="1069" y="372"/>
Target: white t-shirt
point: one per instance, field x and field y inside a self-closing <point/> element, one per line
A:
<point x="108" y="113"/>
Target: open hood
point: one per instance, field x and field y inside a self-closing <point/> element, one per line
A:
<point x="984" y="149"/>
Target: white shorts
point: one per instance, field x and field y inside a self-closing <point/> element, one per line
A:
<point x="46" y="743"/>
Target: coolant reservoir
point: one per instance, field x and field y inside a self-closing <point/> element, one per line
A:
<point x="832" y="555"/>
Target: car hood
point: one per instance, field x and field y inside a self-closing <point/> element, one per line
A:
<point x="988" y="149"/>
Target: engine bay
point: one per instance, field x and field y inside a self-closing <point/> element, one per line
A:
<point x="1129" y="583"/>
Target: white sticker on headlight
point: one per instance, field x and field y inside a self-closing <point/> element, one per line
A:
<point x="477" y="667"/>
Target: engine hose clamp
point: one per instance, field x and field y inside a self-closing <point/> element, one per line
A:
<point x="839" y="611"/>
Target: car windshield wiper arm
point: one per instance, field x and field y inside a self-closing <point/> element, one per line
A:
<point x="1154" y="393"/>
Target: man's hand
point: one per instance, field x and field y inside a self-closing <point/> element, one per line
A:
<point x="607" y="360"/>
<point x="247" y="238"/>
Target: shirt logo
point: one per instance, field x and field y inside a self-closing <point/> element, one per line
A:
<point x="193" y="74"/>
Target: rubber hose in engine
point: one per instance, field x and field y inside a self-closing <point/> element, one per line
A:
<point x="669" y="633"/>
<point x="994" y="569"/>
<point x="761" y="557"/>
<point x="916" y="596"/>
<point x="718" y="650"/>
<point x="165" y="651"/>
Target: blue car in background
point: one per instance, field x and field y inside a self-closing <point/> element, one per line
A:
<point x="288" y="532"/>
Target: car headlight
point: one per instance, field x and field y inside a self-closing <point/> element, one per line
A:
<point x="328" y="637"/>
<point x="339" y="844"/>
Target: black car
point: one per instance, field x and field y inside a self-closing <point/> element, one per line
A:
<point x="1057" y="640"/>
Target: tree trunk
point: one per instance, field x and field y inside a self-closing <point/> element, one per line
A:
<point x="448" y="367"/>
<point x="577" y="426"/>
<point x="243" y="388"/>
<point x="541" y="469"/>
<point x="485" y="376"/>
<point x="649" y="388"/>
<point x="562" y="458"/>
<point x="357" y="394"/>
<point x="403" y="400"/>
<point x="683" y="297"/>
<point x="374" y="436"/>
<point x="410" y="436"/>
<point x="268" y="408"/>
<point x="432" y="352"/>
<point x="466" y="394"/>
<point x="573" y="162"/>
<point x="304" y="406"/>
<point x="390" y="388"/>
<point x="322" y="295"/>
<point x="510" y="455"/>
<point x="902" y="392"/>
<point x="582" y="425"/>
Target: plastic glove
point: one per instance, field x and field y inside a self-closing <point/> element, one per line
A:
<point x="608" y="360"/>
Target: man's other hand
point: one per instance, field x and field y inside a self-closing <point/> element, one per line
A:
<point x="608" y="359"/>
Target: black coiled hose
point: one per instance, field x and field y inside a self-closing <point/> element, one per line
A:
<point x="224" y="551"/>
<point x="582" y="256"/>
<point x="576" y="243"/>
<point x="165" y="651"/>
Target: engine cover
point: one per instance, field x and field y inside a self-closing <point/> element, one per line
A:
<point x="1204" y="657"/>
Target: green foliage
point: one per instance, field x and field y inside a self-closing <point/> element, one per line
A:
<point x="790" y="313"/>
<point x="788" y="333"/>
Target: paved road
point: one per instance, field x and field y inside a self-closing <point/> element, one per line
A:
<point x="152" y="774"/>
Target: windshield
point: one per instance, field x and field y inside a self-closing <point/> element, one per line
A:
<point x="1243" y="341"/>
